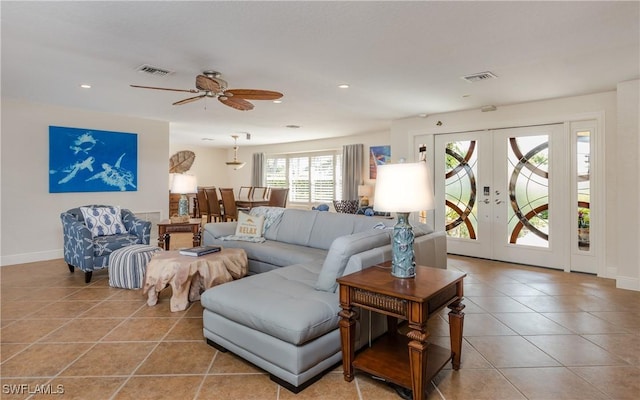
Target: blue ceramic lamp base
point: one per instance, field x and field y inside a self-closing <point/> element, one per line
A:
<point x="183" y="205"/>
<point x="403" y="261"/>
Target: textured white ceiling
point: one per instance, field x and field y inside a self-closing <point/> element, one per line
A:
<point x="400" y="58"/>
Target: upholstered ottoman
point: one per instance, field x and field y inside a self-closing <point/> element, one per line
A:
<point x="127" y="265"/>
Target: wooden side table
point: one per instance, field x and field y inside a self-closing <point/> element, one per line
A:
<point x="166" y="228"/>
<point x="414" y="300"/>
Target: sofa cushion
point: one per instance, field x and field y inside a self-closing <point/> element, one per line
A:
<point x="103" y="221"/>
<point x="277" y="253"/>
<point x="294" y="227"/>
<point x="281" y="303"/>
<point x="341" y="251"/>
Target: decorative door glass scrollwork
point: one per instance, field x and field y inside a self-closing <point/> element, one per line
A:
<point x="583" y="169"/>
<point x="461" y="171"/>
<point x="528" y="177"/>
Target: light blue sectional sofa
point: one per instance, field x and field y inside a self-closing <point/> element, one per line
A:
<point x="283" y="317"/>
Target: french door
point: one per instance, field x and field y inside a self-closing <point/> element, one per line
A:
<point x="501" y="194"/>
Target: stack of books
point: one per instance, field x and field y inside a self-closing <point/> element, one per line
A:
<point x="200" y="250"/>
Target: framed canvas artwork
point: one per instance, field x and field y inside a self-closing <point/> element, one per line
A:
<point x="89" y="160"/>
<point x="378" y="155"/>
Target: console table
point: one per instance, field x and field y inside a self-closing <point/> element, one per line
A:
<point x="166" y="228"/>
<point x="414" y="300"/>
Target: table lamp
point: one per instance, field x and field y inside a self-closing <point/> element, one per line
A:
<point x="364" y="191"/>
<point x="403" y="188"/>
<point x="183" y="184"/>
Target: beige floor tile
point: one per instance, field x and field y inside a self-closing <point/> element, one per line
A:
<point x="141" y="329"/>
<point x="114" y="309"/>
<point x="626" y="320"/>
<point x="621" y="383"/>
<point x="557" y="383"/>
<point x="110" y="359"/>
<point x="331" y="386"/>
<point x="229" y="363"/>
<point x="83" y="330"/>
<point x="531" y="324"/>
<point x="94" y="388"/>
<point x="42" y="360"/>
<point x="161" y="388"/>
<point x="64" y="309"/>
<point x="475" y="384"/>
<point x="479" y="290"/>
<point x="186" y="329"/>
<point x="625" y="346"/>
<point x="372" y="389"/>
<point x="584" y="323"/>
<point x="544" y="304"/>
<point x="244" y="387"/>
<point x="495" y="304"/>
<point x="510" y="351"/>
<point x="470" y="359"/>
<point x="8" y="350"/>
<point x="29" y="330"/>
<point x="171" y="358"/>
<point x="484" y="325"/>
<point x="574" y="350"/>
<point x="517" y="289"/>
<point x="20" y="308"/>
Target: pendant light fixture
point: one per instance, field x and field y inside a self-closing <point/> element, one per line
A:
<point x="235" y="163"/>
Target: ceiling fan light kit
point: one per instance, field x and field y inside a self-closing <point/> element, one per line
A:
<point x="236" y="164"/>
<point x="209" y="84"/>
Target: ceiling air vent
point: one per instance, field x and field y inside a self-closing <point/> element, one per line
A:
<point x="481" y="76"/>
<point x="150" y="69"/>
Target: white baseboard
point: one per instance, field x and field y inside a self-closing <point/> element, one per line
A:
<point x="31" y="257"/>
<point x="623" y="282"/>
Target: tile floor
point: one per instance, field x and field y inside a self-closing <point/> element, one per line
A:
<point x="529" y="333"/>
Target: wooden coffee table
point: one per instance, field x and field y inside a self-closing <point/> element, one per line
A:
<point x="189" y="276"/>
<point x="401" y="359"/>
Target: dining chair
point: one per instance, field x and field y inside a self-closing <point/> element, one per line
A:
<point x="258" y="193"/>
<point x="244" y="194"/>
<point x="203" y="206"/>
<point x="213" y="204"/>
<point x="230" y="211"/>
<point x="278" y="197"/>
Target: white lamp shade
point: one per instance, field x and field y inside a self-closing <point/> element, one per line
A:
<point x="183" y="184"/>
<point x="404" y="187"/>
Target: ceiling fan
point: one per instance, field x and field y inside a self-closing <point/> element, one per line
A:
<point x="209" y="84"/>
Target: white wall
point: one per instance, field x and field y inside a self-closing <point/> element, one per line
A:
<point x="606" y="108"/>
<point x="30" y="216"/>
<point x="627" y="172"/>
<point x="209" y="165"/>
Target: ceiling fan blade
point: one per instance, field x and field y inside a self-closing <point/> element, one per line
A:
<point x="208" y="84"/>
<point x="255" y="94"/>
<point x="236" y="102"/>
<point x="160" y="88"/>
<point x="189" y="100"/>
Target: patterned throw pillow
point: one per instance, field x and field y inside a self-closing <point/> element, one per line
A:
<point x="103" y="221"/>
<point x="249" y="225"/>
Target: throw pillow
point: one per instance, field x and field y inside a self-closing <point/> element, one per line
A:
<point x="249" y="225"/>
<point x="103" y="221"/>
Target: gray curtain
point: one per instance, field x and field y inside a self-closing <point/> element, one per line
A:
<point x="257" y="174"/>
<point x="352" y="164"/>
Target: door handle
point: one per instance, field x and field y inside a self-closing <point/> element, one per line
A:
<point x="498" y="201"/>
<point x="486" y="201"/>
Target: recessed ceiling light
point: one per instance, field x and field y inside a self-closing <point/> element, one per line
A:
<point x="277" y="101"/>
<point x="423" y="115"/>
<point x="466" y="95"/>
<point x="344" y="86"/>
<point x="85" y="86"/>
<point x="292" y="126"/>
<point x="206" y="138"/>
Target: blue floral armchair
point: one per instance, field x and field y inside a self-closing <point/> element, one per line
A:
<point x="90" y="251"/>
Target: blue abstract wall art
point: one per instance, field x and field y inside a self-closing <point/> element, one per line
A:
<point x="89" y="160"/>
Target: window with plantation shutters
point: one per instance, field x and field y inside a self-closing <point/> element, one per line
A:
<point x="311" y="177"/>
